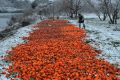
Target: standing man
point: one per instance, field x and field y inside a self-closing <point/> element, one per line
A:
<point x="81" y="21"/>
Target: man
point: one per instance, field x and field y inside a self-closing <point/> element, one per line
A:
<point x="81" y="21"/>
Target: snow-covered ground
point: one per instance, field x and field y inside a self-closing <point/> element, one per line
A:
<point x="7" y="44"/>
<point x="103" y="36"/>
<point x="10" y="9"/>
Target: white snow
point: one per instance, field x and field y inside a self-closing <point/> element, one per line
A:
<point x="9" y="9"/>
<point x="103" y="37"/>
<point x="7" y="44"/>
<point x="90" y="16"/>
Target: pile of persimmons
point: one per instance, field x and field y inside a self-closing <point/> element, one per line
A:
<point x="57" y="50"/>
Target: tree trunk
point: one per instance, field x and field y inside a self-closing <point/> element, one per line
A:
<point x="76" y="14"/>
<point x="71" y="15"/>
<point x="99" y="16"/>
<point x="104" y="16"/>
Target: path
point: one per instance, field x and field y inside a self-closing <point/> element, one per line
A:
<point x="58" y="51"/>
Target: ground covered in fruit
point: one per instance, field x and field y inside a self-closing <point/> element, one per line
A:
<point x="58" y="50"/>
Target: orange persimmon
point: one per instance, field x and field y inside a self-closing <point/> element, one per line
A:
<point x="57" y="50"/>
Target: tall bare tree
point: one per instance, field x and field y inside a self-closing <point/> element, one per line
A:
<point x="95" y="8"/>
<point x="110" y="8"/>
<point x="103" y="9"/>
<point x="113" y="9"/>
<point x="71" y="7"/>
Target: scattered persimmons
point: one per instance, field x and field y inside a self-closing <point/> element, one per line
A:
<point x="58" y="51"/>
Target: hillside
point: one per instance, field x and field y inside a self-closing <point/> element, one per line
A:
<point x="13" y="5"/>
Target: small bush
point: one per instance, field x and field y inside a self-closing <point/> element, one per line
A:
<point x="25" y="23"/>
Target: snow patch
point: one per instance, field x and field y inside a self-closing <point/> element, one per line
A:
<point x="13" y="41"/>
<point x="103" y="37"/>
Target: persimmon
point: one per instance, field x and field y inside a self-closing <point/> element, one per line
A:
<point x="57" y="50"/>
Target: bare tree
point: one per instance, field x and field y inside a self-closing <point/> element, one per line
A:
<point x="77" y="7"/>
<point x="113" y="8"/>
<point x="72" y="7"/>
<point x="95" y="9"/>
<point x="68" y="7"/>
<point x="103" y="9"/>
<point x="108" y="8"/>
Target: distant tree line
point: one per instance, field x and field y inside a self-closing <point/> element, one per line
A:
<point x="104" y="9"/>
<point x="108" y="8"/>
